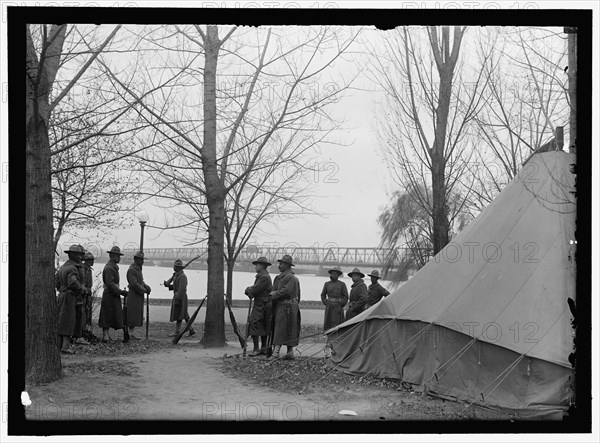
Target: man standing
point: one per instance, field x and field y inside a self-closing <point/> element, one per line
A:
<point x="135" y="295"/>
<point x="88" y="263"/>
<point x="375" y="291"/>
<point x="358" y="294"/>
<point x="334" y="296"/>
<point x="286" y="312"/>
<point x="111" y="310"/>
<point x="71" y="290"/>
<point x="259" y="292"/>
<point x="179" y="304"/>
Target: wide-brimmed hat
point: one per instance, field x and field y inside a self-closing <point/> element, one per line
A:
<point x="115" y="250"/>
<point x="336" y="269"/>
<point x="375" y="274"/>
<point x="88" y="256"/>
<point x="262" y="260"/>
<point x="178" y="264"/>
<point x="77" y="249"/>
<point x="356" y="271"/>
<point x="287" y="259"/>
<point x="138" y="254"/>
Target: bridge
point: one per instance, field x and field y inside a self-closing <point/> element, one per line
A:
<point x="313" y="258"/>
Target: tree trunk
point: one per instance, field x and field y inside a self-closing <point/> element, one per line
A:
<point x="42" y="358"/>
<point x="214" y="328"/>
<point x="230" y="266"/>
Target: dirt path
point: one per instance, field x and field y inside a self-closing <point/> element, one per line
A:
<point x="183" y="382"/>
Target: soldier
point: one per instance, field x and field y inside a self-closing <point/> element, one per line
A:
<point x="111" y="310"/>
<point x="88" y="263"/>
<point x="259" y="320"/>
<point x="358" y="294"/>
<point x="286" y="312"/>
<point x="334" y="296"/>
<point x="179" y="305"/>
<point x="135" y="295"/>
<point x="71" y="289"/>
<point x="375" y="291"/>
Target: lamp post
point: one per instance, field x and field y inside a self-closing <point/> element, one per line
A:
<point x="143" y="219"/>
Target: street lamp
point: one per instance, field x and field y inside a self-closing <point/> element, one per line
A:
<point x="143" y="219"/>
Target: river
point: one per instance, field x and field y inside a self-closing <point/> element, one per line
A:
<point x="310" y="285"/>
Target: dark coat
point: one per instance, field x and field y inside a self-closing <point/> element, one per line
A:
<point x="286" y="311"/>
<point x="358" y="298"/>
<point x="259" y="292"/>
<point x="135" y="296"/>
<point x="70" y="298"/>
<point x="375" y="293"/>
<point x="111" y="310"/>
<point x="334" y="296"/>
<point x="179" y="304"/>
<point x="89" y="282"/>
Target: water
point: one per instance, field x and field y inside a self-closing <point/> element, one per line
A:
<point x="310" y="285"/>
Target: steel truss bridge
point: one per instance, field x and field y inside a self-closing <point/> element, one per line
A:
<point x="314" y="256"/>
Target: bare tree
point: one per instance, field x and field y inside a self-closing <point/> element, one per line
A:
<point x="527" y="100"/>
<point x="429" y="107"/>
<point x="262" y="104"/>
<point x="44" y="57"/>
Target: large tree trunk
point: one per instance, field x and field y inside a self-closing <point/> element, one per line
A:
<point x="42" y="358"/>
<point x="214" y="328"/>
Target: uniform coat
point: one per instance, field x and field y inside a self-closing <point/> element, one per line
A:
<point x="70" y="288"/>
<point x="135" y="296"/>
<point x="111" y="310"/>
<point x="179" y="304"/>
<point x="375" y="293"/>
<point x="286" y="311"/>
<point x="260" y="324"/>
<point x="89" y="282"/>
<point x="358" y="298"/>
<point x="334" y="296"/>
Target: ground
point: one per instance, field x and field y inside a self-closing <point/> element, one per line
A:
<point x="156" y="380"/>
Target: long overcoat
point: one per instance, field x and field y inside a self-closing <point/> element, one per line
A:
<point x="89" y="282"/>
<point x="70" y="289"/>
<point x="334" y="296"/>
<point x="260" y="323"/>
<point x="358" y="299"/>
<point x="179" y="304"/>
<point x="135" y="296"/>
<point x="111" y="310"/>
<point x="286" y="311"/>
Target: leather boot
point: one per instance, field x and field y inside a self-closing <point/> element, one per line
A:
<point x="290" y="353"/>
<point x="276" y="351"/>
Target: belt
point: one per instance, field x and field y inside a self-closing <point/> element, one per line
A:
<point x="335" y="300"/>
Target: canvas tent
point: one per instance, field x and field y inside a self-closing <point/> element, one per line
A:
<point x="486" y="321"/>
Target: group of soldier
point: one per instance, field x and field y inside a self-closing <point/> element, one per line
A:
<point x="275" y="313"/>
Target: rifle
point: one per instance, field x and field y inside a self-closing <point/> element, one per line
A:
<point x="247" y="326"/>
<point x="235" y="326"/>
<point x="168" y="282"/>
<point x="188" y="324"/>
<point x="126" y="336"/>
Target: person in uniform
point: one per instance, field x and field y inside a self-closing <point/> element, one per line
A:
<point x="71" y="290"/>
<point x="88" y="263"/>
<point x="358" y="294"/>
<point x="375" y="291"/>
<point x="179" y="304"/>
<point x="285" y="297"/>
<point x="111" y="310"/>
<point x="135" y="295"/>
<point x="259" y="292"/>
<point x="334" y="296"/>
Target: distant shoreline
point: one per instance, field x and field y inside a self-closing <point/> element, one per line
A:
<point x="235" y="303"/>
